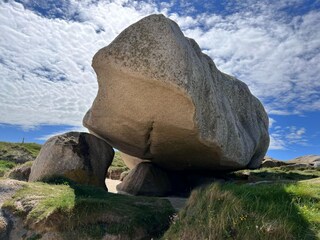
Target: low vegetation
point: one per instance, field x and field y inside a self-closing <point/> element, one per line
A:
<point x="81" y="212"/>
<point x="267" y="203"/>
<point x="118" y="163"/>
<point x="117" y="167"/>
<point x="13" y="154"/>
<point x="250" y="211"/>
<point x="5" y="166"/>
<point x="8" y="149"/>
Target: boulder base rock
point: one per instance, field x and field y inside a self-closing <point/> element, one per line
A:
<point x="21" y="172"/>
<point x="81" y="157"/>
<point x="146" y="179"/>
<point x="161" y="99"/>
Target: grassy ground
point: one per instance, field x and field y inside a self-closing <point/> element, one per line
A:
<point x="11" y="154"/>
<point x="82" y="212"/>
<point x="5" y="166"/>
<point x="9" y="148"/>
<point x="256" y="211"/>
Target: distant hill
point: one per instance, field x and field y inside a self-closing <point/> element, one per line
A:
<point x="18" y="152"/>
<point x="308" y="159"/>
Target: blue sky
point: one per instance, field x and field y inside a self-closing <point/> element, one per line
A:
<point x="46" y="47"/>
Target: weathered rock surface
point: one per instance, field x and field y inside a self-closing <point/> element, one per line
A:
<point x="146" y="179"/>
<point x="161" y="99"/>
<point x="269" y="162"/>
<point x="81" y="157"/>
<point x="131" y="161"/>
<point x="20" y="172"/>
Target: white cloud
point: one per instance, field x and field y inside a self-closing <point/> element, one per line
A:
<point x="284" y="138"/>
<point x="45" y="64"/>
<point x="271" y="122"/>
<point x="276" y="143"/>
<point x="277" y="59"/>
<point x="45" y="71"/>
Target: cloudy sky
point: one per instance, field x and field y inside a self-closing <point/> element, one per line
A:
<point x="46" y="47"/>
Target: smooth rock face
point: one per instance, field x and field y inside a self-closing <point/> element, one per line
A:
<point x="161" y="99"/>
<point x="81" y="157"/>
<point x="146" y="179"/>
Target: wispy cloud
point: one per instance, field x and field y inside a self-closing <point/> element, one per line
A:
<point x="45" y="56"/>
<point x="283" y="138"/>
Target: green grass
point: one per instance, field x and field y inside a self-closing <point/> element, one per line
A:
<point x="117" y="160"/>
<point x="32" y="148"/>
<point x="117" y="166"/>
<point x="6" y="166"/>
<point x="261" y="211"/>
<point x="89" y="211"/>
<point x="19" y="152"/>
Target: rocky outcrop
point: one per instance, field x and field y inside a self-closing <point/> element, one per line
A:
<point x="269" y="162"/>
<point x="146" y="179"/>
<point x="81" y="157"/>
<point x="161" y="99"/>
<point x="312" y="160"/>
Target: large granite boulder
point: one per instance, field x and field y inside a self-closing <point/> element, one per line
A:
<point x="161" y="99"/>
<point x="81" y="157"/>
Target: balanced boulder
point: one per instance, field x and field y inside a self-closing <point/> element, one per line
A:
<point x="161" y="99"/>
<point x="80" y="157"/>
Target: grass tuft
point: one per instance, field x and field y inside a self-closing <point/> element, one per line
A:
<point x="262" y="211"/>
<point x="78" y="211"/>
<point x="6" y="166"/>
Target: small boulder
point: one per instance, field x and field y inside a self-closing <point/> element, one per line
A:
<point x="269" y="162"/>
<point x="21" y="172"/>
<point x="123" y="175"/>
<point x="146" y="179"/>
<point x="80" y="157"/>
